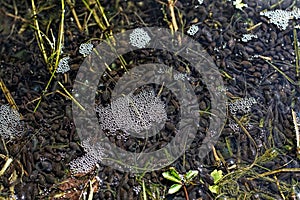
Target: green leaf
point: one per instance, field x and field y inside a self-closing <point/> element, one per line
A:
<point x="214" y="188"/>
<point x="190" y="175"/>
<point x="169" y="176"/>
<point x="216" y="175"/>
<point x="174" y="188"/>
<point x="174" y="173"/>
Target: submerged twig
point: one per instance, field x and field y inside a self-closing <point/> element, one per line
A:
<point x="7" y="159"/>
<point x="6" y="165"/>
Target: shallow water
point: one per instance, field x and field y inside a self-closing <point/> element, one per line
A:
<point x="253" y="122"/>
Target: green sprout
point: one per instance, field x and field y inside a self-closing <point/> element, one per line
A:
<point x="181" y="181"/>
<point x="217" y="175"/>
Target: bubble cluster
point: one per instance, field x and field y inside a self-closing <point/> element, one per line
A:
<point x="236" y="128"/>
<point x="10" y="125"/>
<point x="87" y="162"/>
<point x="243" y="105"/>
<point x="193" y="30"/>
<point x="132" y="112"/>
<point x="137" y="189"/>
<point x="63" y="65"/>
<point x="281" y="17"/>
<point x="200" y="2"/>
<point x="247" y="37"/>
<point x="180" y="76"/>
<point x="85" y="49"/>
<point x="139" y="38"/>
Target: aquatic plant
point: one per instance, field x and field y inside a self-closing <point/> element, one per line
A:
<point x="181" y="181"/>
<point x="239" y="4"/>
<point x="217" y="175"/>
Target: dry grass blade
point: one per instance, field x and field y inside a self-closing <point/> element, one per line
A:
<point x="8" y="161"/>
<point x="71" y="97"/>
<point x="72" y="5"/>
<point x="171" y="4"/>
<point x="8" y="96"/>
<point x="280" y="71"/>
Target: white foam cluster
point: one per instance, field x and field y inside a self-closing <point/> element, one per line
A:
<point x="247" y="37"/>
<point x="85" y="49"/>
<point x="9" y="122"/>
<point x="63" y="65"/>
<point x="243" y="105"/>
<point x="139" y="38"/>
<point x="193" y="30"/>
<point x="281" y="17"/>
<point x="132" y="112"/>
<point x="87" y="162"/>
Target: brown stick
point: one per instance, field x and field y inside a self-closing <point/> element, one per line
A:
<point x="185" y="193"/>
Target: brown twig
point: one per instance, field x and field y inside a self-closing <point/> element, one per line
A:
<point x="185" y="192"/>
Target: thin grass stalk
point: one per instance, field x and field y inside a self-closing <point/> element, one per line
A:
<point x="296" y="130"/>
<point x="144" y="191"/>
<point x="283" y="170"/>
<point x="71" y="97"/>
<point x="59" y="46"/>
<point x="251" y="139"/>
<point x="282" y="73"/>
<point x="38" y="33"/>
<point x="61" y="35"/>
<point x="8" y="96"/>
<point x="74" y="14"/>
<point x="296" y="51"/>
